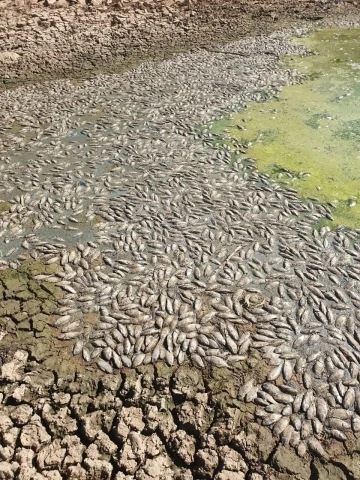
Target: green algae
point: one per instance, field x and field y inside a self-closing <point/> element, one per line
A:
<point x="4" y="207"/>
<point x="308" y="137"/>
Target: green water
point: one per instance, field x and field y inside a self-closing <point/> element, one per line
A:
<point x="308" y="137"/>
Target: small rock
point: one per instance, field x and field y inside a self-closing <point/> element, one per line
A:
<point x="152" y="417"/>
<point x="153" y="446"/>
<point x="5" y="423"/>
<point x="206" y="462"/>
<point x="59" y="422"/>
<point x="183" y="445"/>
<point x="34" y="434"/>
<point x="74" y="449"/>
<point x="105" y="445"/>
<point x="92" y="452"/>
<point x="232" y="460"/>
<point x="6" y="472"/>
<point x="62" y="399"/>
<point x="194" y="418"/>
<point x="19" y="393"/>
<point x="133" y="417"/>
<point x="24" y="456"/>
<point x="51" y="456"/>
<point x="121" y="431"/>
<point x="9" y="437"/>
<point x="158" y="468"/>
<point x="27" y="473"/>
<point x="91" y="425"/>
<point x="52" y="475"/>
<point x="21" y="414"/>
<point x="122" y="476"/>
<point x="166" y="424"/>
<point x="98" y="469"/>
<point x="76" y="472"/>
<point x="132" y="453"/>
<point x="230" y="475"/>
<point x="10" y="371"/>
<point x="6" y="453"/>
<point x="256" y="476"/>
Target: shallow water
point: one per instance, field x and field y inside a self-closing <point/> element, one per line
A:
<point x="308" y="137"/>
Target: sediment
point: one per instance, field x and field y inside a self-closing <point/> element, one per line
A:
<point x="43" y="40"/>
<point x="153" y="422"/>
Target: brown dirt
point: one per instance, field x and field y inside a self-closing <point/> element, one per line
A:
<point x="191" y="424"/>
<point x="79" y="42"/>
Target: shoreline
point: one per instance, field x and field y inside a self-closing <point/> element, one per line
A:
<point x="41" y="43"/>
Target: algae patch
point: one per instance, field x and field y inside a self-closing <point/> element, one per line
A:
<point x="308" y="137"/>
<point x="4" y="207"/>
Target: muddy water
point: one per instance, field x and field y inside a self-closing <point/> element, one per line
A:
<point x="309" y="136"/>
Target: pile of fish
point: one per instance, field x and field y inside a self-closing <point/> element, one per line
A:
<point x="171" y="245"/>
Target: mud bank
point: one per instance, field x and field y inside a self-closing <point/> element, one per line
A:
<point x="154" y="422"/>
<point x="40" y="42"/>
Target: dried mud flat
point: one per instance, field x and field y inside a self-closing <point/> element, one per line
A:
<point x="74" y="40"/>
<point x="166" y="310"/>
